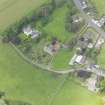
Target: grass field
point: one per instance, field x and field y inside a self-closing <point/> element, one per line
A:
<point x="62" y="59"/>
<point x="101" y="57"/>
<point x="100" y="6"/>
<point x="21" y="81"/>
<point x="57" y="26"/>
<point x="13" y="10"/>
<point x="73" y="94"/>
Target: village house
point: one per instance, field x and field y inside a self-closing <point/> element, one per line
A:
<point x="100" y="42"/>
<point x="85" y="40"/>
<point x="53" y="47"/>
<point x="92" y="82"/>
<point x="83" y="43"/>
<point x="31" y="32"/>
<point x="76" y="19"/>
<point x="99" y="22"/>
<point x="84" y="4"/>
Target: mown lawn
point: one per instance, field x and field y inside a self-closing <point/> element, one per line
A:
<point x="100" y="6"/>
<point x="23" y="82"/>
<point x="13" y="10"/>
<point x="62" y="59"/>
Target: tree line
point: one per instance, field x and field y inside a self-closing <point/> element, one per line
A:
<point x="43" y="12"/>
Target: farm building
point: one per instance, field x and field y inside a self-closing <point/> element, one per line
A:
<point x="77" y="59"/>
<point x="31" y="32"/>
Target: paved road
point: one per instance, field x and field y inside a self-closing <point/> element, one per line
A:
<point x="90" y="23"/>
<point x="88" y="19"/>
<point x="97" y="71"/>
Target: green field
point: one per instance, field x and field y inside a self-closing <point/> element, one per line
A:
<point x="73" y="94"/>
<point x="62" y="59"/>
<point x="100" y="6"/>
<point x="57" y="25"/>
<point x="13" y="10"/>
<point x="57" y="28"/>
<point x="23" y="82"/>
<point x="101" y="57"/>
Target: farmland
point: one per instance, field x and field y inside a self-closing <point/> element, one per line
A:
<point x="23" y="82"/>
<point x="13" y="10"/>
<point x="57" y="25"/>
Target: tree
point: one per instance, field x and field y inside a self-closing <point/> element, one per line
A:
<point x="101" y="85"/>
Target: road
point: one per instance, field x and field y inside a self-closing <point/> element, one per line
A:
<point x="88" y="19"/>
<point x="90" y="23"/>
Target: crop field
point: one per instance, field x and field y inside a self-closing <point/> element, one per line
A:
<point x="100" y="6"/>
<point x="13" y="10"/>
<point x="23" y="82"/>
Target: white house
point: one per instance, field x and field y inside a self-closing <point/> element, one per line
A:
<point x="31" y="32"/>
<point x="92" y="83"/>
<point x="83" y="4"/>
<point x="90" y="45"/>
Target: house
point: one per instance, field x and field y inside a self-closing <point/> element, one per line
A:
<point x="29" y="31"/>
<point x="102" y="20"/>
<point x="84" y="4"/>
<point x="53" y="47"/>
<point x="99" y="42"/>
<point x="92" y="82"/>
<point x="76" y="19"/>
<point x="90" y="45"/>
<point x="99" y="22"/>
